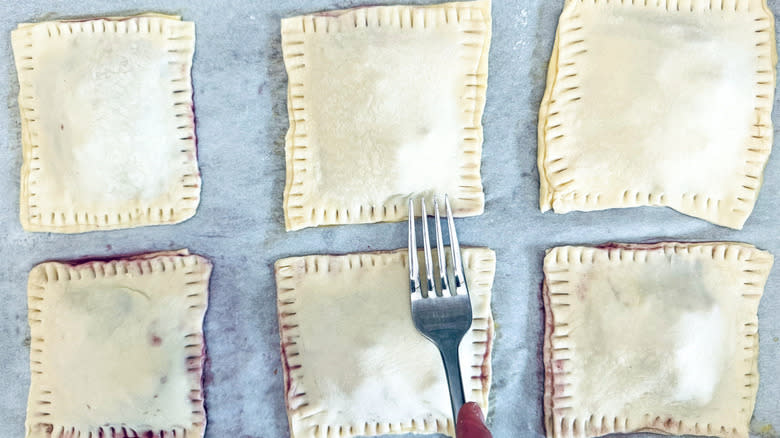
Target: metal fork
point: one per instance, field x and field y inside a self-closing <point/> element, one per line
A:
<point x="443" y="313"/>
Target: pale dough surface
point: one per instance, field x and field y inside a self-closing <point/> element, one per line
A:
<point x="384" y="103"/>
<point x="118" y="345"/>
<point x="660" y="338"/>
<point x="354" y="362"/>
<point x="108" y="131"/>
<point x="664" y="103"/>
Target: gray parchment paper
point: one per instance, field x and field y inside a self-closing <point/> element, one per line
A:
<point x="240" y="86"/>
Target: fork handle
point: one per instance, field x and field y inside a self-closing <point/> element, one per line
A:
<point x="449" y="354"/>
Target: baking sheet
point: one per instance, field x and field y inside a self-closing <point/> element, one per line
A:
<point x="241" y="113"/>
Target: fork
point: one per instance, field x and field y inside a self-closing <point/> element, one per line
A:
<point x="443" y="313"/>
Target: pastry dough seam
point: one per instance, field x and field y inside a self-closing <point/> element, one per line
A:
<point x="563" y="91"/>
<point x="180" y="39"/>
<point x="296" y="401"/>
<point x="678" y="5"/>
<point x="563" y="83"/>
<point x="300" y="210"/>
<point x="198" y="272"/>
<point x="558" y="357"/>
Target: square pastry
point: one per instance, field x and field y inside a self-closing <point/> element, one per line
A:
<point x="117" y="347"/>
<point x="375" y="95"/>
<point x="354" y="364"/>
<point x="108" y="128"/>
<point x="661" y="103"/>
<point x="656" y="338"/>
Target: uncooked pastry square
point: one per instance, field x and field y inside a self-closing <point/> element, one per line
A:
<point x="108" y="131"/>
<point x="117" y="347"/>
<point x="662" y="103"/>
<point x="384" y="103"/>
<point x="354" y="364"/>
<point x="656" y="338"/>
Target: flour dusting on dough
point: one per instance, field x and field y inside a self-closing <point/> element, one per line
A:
<point x="698" y="355"/>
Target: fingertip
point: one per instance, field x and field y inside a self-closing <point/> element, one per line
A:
<point x="471" y="422"/>
<point x="470" y="410"/>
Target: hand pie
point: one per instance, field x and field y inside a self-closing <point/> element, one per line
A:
<point x="656" y="338"/>
<point x="384" y="103"/>
<point x="108" y="130"/>
<point x="661" y="102"/>
<point x="117" y="347"/>
<point x="354" y="364"/>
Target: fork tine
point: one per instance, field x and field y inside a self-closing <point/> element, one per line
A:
<point x="414" y="266"/>
<point x="430" y="286"/>
<point x="457" y="263"/>
<point x="444" y="282"/>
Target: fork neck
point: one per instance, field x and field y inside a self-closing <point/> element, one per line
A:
<point x="451" y="358"/>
